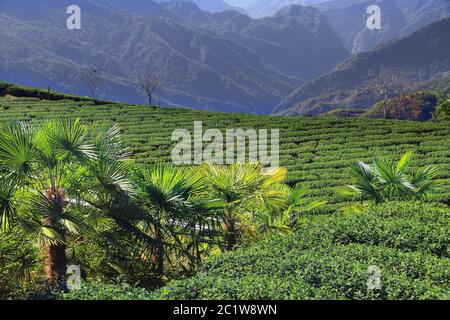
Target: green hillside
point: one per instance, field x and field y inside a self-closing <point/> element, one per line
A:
<point x="316" y="150"/>
<point x="327" y="254"/>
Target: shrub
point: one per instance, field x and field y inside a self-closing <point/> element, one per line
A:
<point x="405" y="226"/>
<point x="329" y="257"/>
<point x="42" y="94"/>
<point x="418" y="106"/>
<point x="443" y="108"/>
<point x="19" y="273"/>
<point x="105" y="291"/>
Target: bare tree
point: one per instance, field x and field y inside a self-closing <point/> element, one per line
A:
<point x="385" y="85"/>
<point x="93" y="80"/>
<point x="389" y="83"/>
<point x="149" y="82"/>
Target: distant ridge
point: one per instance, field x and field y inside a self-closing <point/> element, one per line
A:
<point x="422" y="57"/>
<point x="218" y="61"/>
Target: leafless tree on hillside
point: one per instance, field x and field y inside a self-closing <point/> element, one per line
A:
<point x="93" y="79"/>
<point x="389" y="83"/>
<point x="385" y="85"/>
<point x="149" y="82"/>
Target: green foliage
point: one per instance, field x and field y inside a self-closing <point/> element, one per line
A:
<point x="42" y="166"/>
<point x="243" y="189"/>
<point x="329" y="257"/>
<point x="178" y="220"/>
<point x="75" y="183"/>
<point x="443" y="108"/>
<point x="315" y="151"/>
<point x="22" y="91"/>
<point x="408" y="226"/>
<point x="102" y="291"/>
<point x="385" y="180"/>
<point x="18" y="266"/>
<point x="36" y="163"/>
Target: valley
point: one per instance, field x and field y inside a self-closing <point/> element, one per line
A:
<point x="218" y="60"/>
<point x="353" y="83"/>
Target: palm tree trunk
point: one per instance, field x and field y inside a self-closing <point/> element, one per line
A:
<point x="55" y="265"/>
<point x="55" y="262"/>
<point x="158" y="252"/>
<point x="230" y="234"/>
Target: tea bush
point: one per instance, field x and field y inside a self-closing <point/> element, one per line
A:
<point x="317" y="150"/>
<point x="329" y="255"/>
<point x="103" y="291"/>
<point x="329" y="258"/>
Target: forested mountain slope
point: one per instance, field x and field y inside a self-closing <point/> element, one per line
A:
<point x="223" y="61"/>
<point x="422" y="57"/>
<point x="399" y="18"/>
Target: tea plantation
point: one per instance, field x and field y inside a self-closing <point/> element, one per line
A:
<point x="317" y="151"/>
<point x="329" y="256"/>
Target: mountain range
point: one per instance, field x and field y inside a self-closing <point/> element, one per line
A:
<point x="264" y="8"/>
<point x="219" y="61"/>
<point x="213" y="56"/>
<point x="399" y="18"/>
<point x="422" y="58"/>
<point x="211" y="5"/>
<point x="348" y="17"/>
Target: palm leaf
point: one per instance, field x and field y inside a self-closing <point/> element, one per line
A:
<point x="7" y="205"/>
<point x="404" y="162"/>
<point x="18" y="153"/>
<point x="69" y="137"/>
<point x="363" y="179"/>
<point x="108" y="143"/>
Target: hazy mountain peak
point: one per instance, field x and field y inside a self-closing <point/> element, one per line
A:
<point x="262" y="8"/>
<point x="206" y="5"/>
<point x="399" y="18"/>
<point x="295" y="10"/>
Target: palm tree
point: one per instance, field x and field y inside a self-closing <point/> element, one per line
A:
<point x="170" y="197"/>
<point x="386" y="180"/>
<point x="105" y="190"/>
<point x="37" y="164"/>
<point x="242" y="188"/>
<point x="282" y="219"/>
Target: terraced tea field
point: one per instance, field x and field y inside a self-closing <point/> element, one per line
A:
<point x="317" y="151"/>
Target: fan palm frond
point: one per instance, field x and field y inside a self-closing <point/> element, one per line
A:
<point x="108" y="143"/>
<point x="18" y="153"/>
<point x="364" y="182"/>
<point x="387" y="180"/>
<point x="424" y="180"/>
<point x="68" y="137"/>
<point x="167" y="187"/>
<point x="8" y="205"/>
